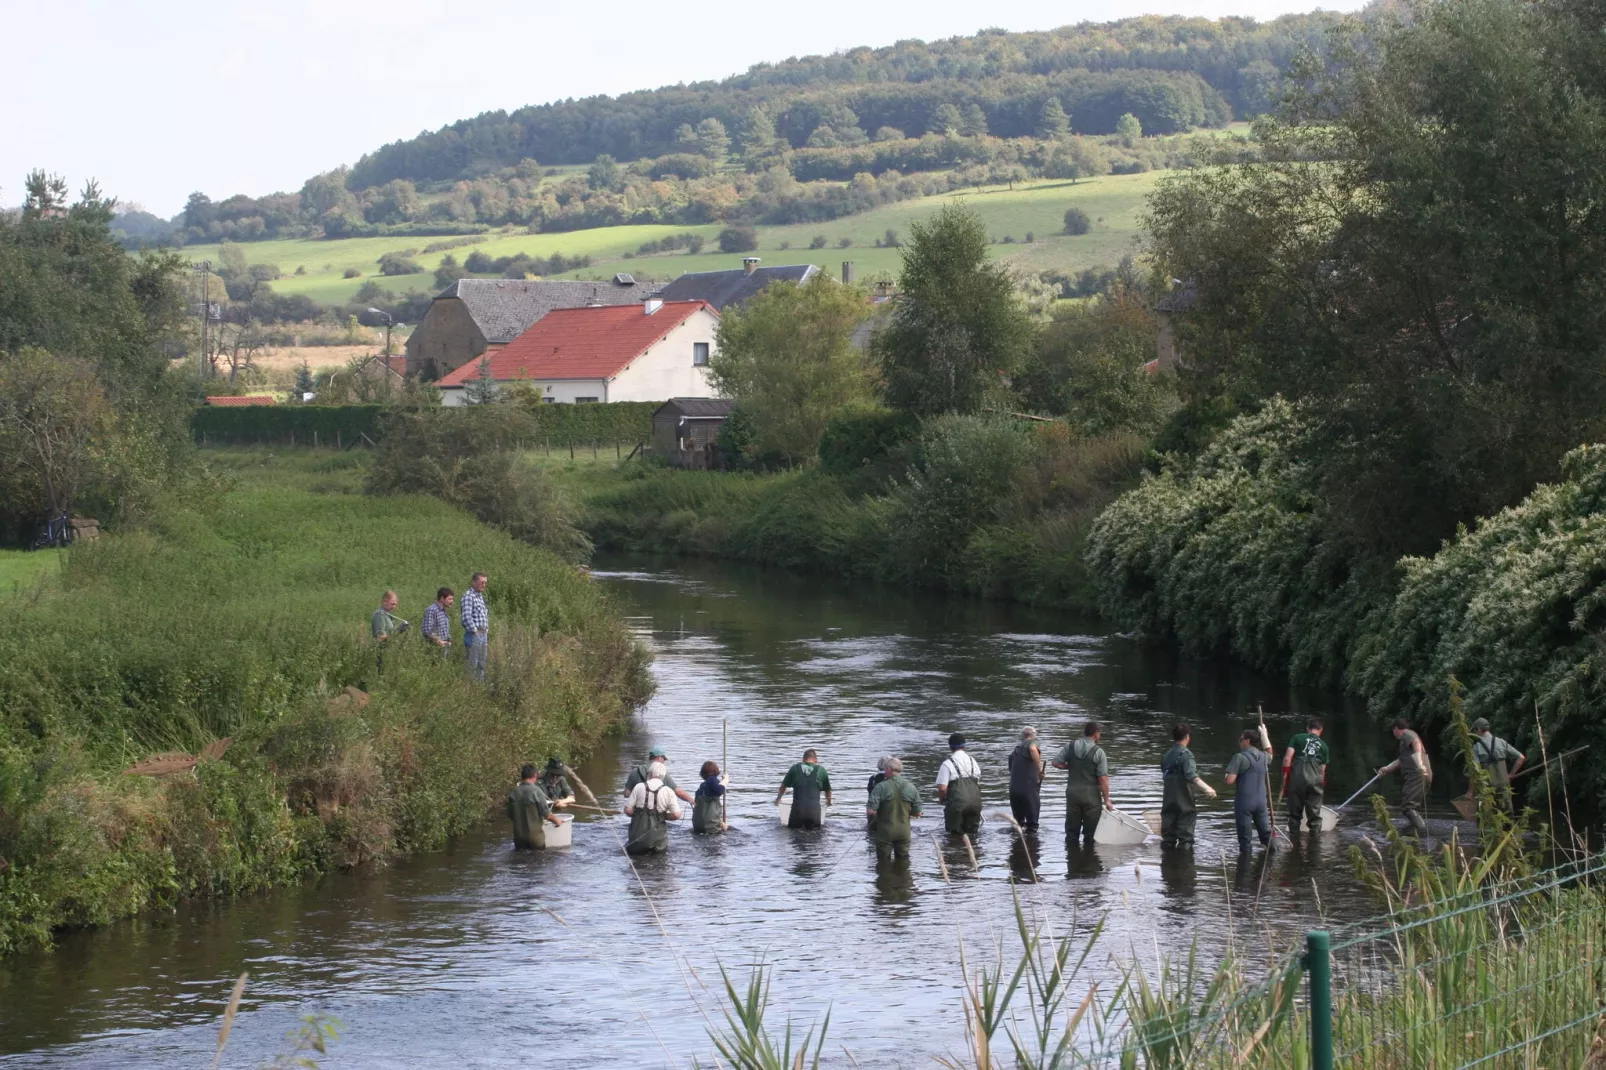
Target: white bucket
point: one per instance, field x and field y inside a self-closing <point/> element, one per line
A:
<point x="783" y="810"/>
<point x="1117" y="828"/>
<point x="561" y="835"/>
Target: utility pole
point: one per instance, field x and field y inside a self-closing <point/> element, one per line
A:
<point x="389" y="322"/>
<point x="206" y="309"/>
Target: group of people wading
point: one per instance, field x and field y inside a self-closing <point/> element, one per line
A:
<point x="653" y="799"/>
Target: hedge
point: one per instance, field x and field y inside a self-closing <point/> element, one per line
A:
<point x="345" y="425"/>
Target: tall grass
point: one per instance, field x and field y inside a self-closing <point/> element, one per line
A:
<point x="242" y="614"/>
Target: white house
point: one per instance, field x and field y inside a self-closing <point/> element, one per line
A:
<point x="647" y="352"/>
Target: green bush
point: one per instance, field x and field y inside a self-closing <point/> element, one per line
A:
<point x="738" y="239"/>
<point x="1077" y="221"/>
<point x="857" y="437"/>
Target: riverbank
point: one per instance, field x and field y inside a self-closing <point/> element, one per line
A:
<point x="240" y="614"/>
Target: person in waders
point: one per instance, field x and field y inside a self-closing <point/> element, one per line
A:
<point x="1248" y="771"/>
<point x="959" y="789"/>
<point x="893" y="805"/>
<point x="652" y="805"/>
<point x="1493" y="753"/>
<point x="1415" y="773"/>
<point x="529" y="810"/>
<point x="1087" y="784"/>
<point x="556" y="785"/>
<point x="1305" y="776"/>
<point x="1026" y="780"/>
<point x="638" y="775"/>
<point x="877" y="777"/>
<point x="707" y="812"/>
<point x="808" y="781"/>
<point x="1180" y="773"/>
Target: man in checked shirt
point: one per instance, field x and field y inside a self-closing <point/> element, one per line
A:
<point x="476" y="623"/>
<point x="438" y="623"/>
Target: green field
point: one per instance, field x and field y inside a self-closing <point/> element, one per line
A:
<point x="21" y="569"/>
<point x="1114" y="202"/>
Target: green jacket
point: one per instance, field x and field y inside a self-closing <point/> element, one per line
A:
<point x="527" y="808"/>
<point x="384" y="623"/>
<point x="1085" y="761"/>
<point x="1311" y="755"/>
<point x="1179" y="771"/>
<point x="895" y="801"/>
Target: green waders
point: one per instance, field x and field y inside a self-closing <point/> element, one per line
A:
<point x="1178" y="812"/>
<point x="649" y="829"/>
<point x="961" y="808"/>
<point x="705" y="812"/>
<point x="893" y="833"/>
<point x="1084" y="803"/>
<point x="1305" y="797"/>
<point x="527" y="807"/>
<point x="807" y="811"/>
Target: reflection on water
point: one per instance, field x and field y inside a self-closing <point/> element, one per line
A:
<point x="475" y="956"/>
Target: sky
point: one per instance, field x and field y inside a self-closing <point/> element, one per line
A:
<point x="157" y="98"/>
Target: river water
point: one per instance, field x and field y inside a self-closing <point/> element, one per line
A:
<point x="475" y="956"/>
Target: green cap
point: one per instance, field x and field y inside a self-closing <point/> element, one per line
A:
<point x="656" y="752"/>
<point x="1481" y="725"/>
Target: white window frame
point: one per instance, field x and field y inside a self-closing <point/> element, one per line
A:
<point x="700" y="349"/>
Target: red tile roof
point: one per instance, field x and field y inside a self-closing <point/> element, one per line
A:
<point x="235" y="402"/>
<point x="581" y="343"/>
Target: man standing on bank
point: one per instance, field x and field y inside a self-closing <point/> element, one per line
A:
<point x="385" y="624"/>
<point x="529" y="809"/>
<point x="1493" y="753"/>
<point x="1249" y="770"/>
<point x="1305" y="775"/>
<point x="438" y="622"/>
<point x="652" y="805"/>
<point x="959" y="789"/>
<point x="1181" y="776"/>
<point x="1087" y="784"/>
<point x="1026" y="780"/>
<point x="1415" y="774"/>
<point x="476" y="625"/>
<point x="808" y="781"/>
<point x="893" y="804"/>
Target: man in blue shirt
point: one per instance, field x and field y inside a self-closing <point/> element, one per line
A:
<point x="438" y="622"/>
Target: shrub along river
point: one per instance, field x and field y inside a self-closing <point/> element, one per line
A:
<point x="475" y="956"/>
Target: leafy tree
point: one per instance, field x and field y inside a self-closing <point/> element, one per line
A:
<point x="887" y="133"/>
<point x="1052" y="122"/>
<point x="788" y="357"/>
<point x="973" y="122"/>
<point x="482" y="389"/>
<point x="448" y="272"/>
<point x="1077" y="221"/>
<point x="56" y="431"/>
<point x="396" y="201"/>
<point x="1090" y="367"/>
<point x="685" y="138"/>
<point x="712" y="140"/>
<point x="738" y="240"/>
<point x="397" y="264"/>
<point x="1128" y="129"/>
<point x="603" y="173"/>
<point x="958" y="331"/>
<point x="945" y="121"/>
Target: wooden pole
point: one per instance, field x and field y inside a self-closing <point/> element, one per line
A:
<point x="1271" y="810"/>
<point x="724" y="767"/>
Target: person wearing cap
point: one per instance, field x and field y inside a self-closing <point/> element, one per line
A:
<point x="959" y="789"/>
<point x="530" y="811"/>
<point x="808" y="781"/>
<point x="556" y="785"/>
<point x="877" y="777"/>
<point x="1026" y="780"/>
<point x="638" y="775"/>
<point x="1087" y="784"/>
<point x="651" y="807"/>
<point x="893" y="805"/>
<point x="1493" y="753"/>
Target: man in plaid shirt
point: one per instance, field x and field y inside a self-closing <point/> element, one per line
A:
<point x="476" y="623"/>
<point x="438" y="623"/>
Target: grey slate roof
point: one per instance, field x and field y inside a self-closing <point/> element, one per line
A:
<point x="725" y="288"/>
<point x="698" y="408"/>
<point x="503" y="309"/>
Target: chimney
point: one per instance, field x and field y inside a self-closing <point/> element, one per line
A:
<point x="749" y="264"/>
<point x="653" y="305"/>
<point x="848" y="272"/>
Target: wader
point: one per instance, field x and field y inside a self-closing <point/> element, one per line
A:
<point x="1084" y="804"/>
<point x="1250" y="807"/>
<point x="892" y="821"/>
<point x="807" y="813"/>
<point x="705" y="810"/>
<point x="1025" y="787"/>
<point x="1413" y="785"/>
<point x="1305" y="795"/>
<point x="1178" y="812"/>
<point x="527" y="808"/>
<point x="649" y="829"/>
<point x="961" y="808"/>
<point x="1499" y="772"/>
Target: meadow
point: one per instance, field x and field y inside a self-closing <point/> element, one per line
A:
<point x="1113" y="201"/>
<point x="228" y="630"/>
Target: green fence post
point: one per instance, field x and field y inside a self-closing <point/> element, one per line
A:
<point x="1319" y="964"/>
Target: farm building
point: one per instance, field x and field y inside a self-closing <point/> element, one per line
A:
<point x="684" y="430"/>
<point x="724" y="289"/>
<point x="648" y="352"/>
<point x="474" y="316"/>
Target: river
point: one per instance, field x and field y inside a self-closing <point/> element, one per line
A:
<point x="475" y="956"/>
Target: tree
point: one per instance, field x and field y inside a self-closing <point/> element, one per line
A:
<point x="482" y="389"/>
<point x="973" y="122"/>
<point x="1128" y="129"/>
<point x="945" y="121"/>
<point x="738" y="240"/>
<point x="1077" y="221"/>
<point x="304" y="383"/>
<point x="55" y="431"/>
<point x="788" y="357"/>
<point x="755" y="135"/>
<point x="603" y="173"/>
<point x="712" y="140"/>
<point x="397" y="264"/>
<point x="448" y="272"/>
<point x="685" y="138"/>
<point x="958" y="331"/>
<point x="1052" y="122"/>
<point x="887" y="133"/>
<point x="1089" y="366"/>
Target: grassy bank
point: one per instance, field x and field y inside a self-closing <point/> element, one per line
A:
<point x="241" y="614"/>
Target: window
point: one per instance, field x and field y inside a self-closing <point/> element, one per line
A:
<point x="550" y="400"/>
<point x="585" y="401"/>
<point x="699" y="353"/>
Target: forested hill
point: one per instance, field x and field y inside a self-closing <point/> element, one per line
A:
<point x="1173" y="73"/>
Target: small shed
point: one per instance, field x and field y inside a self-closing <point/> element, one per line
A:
<point x="684" y="430"/>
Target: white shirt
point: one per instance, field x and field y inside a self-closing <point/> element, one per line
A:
<point x="663" y="798"/>
<point x="956" y="767"/>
